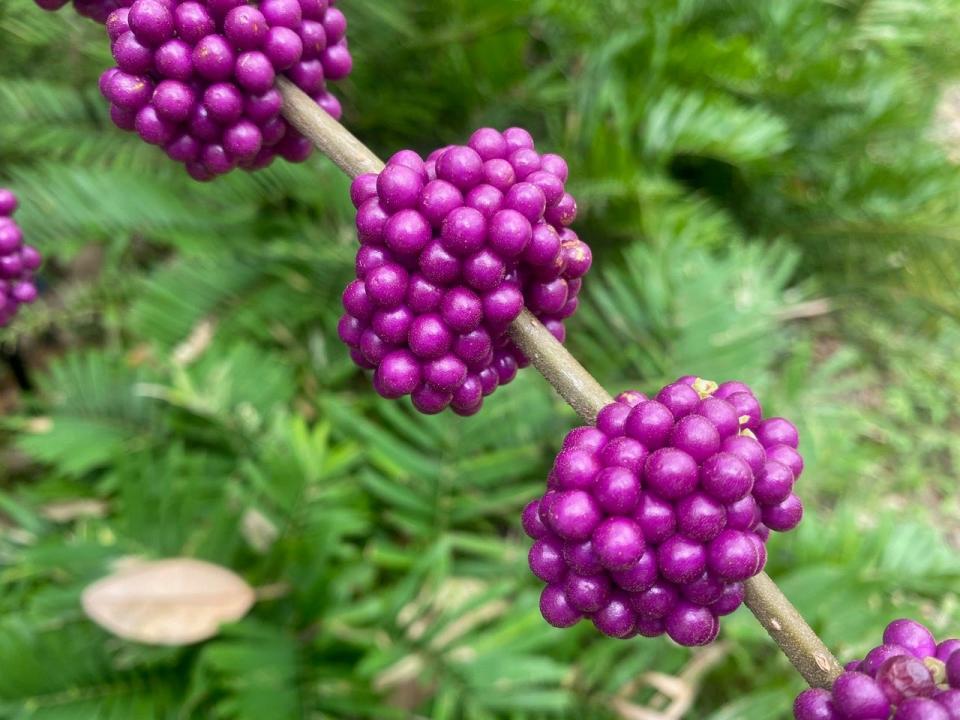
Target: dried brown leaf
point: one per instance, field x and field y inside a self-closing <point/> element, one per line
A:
<point x="63" y="511"/>
<point x="177" y="601"/>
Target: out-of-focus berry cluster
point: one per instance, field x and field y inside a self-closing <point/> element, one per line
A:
<point x="17" y="262"/>
<point x="452" y="249"/>
<point x="197" y="77"/>
<point x="653" y="519"/>
<point x="909" y="677"/>
<point x="96" y="10"/>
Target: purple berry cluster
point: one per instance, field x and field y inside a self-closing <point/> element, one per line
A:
<point x="908" y="677"/>
<point x="653" y="519"/>
<point x="17" y="262"/>
<point x="451" y="250"/>
<point x="197" y="77"/>
<point x="96" y="10"/>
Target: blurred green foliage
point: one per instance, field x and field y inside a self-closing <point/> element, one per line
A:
<point x="765" y="202"/>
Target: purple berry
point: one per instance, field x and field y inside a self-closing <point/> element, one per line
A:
<point x="911" y="635"/>
<point x="574" y="515"/>
<point x="696" y="436"/>
<point x="655" y="602"/>
<point x="721" y="413"/>
<point x="616" y="489"/>
<point x="587" y="593"/>
<point x="815" y="704"/>
<point x="681" y="559"/>
<point x="879" y="655"/>
<point x="616" y="618"/>
<point x="788" y="456"/>
<point x="581" y="558"/>
<point x="461" y="166"/>
<point x="639" y="577"/>
<point x="532" y="524"/>
<point x="555" y="608"/>
<point x="784" y="516"/>
<point x="656" y="518"/>
<point x="152" y="22"/>
<point x="731" y="599"/>
<point x="670" y="473"/>
<point x="691" y="625"/>
<point x="732" y="556"/>
<point x="949" y="700"/>
<point x="546" y="561"/>
<point x="618" y="542"/>
<point x="700" y="516"/>
<point x="680" y="399"/>
<point x="650" y="423"/>
<point x="726" y="477"/>
<point x="858" y="697"/>
<point x="575" y="469"/>
<point x="773" y="484"/>
<point x="947" y="648"/>
<point x="777" y="431"/>
<point x="921" y="709"/>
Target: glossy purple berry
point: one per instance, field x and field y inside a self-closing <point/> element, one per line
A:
<point x="639" y="577"/>
<point x="616" y="619"/>
<point x="681" y="559"/>
<point x="670" y="473"/>
<point x="879" y="655"/>
<point x="656" y="517"/>
<point x="921" y="709"/>
<point x="254" y="72"/>
<point x="246" y="27"/>
<point x="618" y="543"/>
<point x="532" y="524"/>
<point x="546" y="561"/>
<point x="784" y="516"/>
<point x="700" y="516"/>
<point x="587" y="593"/>
<point x="947" y="648"/>
<point x="616" y="488"/>
<point x="691" y="625"/>
<point x="733" y="556"/>
<point x="574" y="515"/>
<point x="696" y="436"/>
<point x="398" y="374"/>
<point x="911" y="635"/>
<point x="152" y="22"/>
<point x="858" y="697"/>
<point x="815" y="704"/>
<point x="650" y="423"/>
<point x="556" y="609"/>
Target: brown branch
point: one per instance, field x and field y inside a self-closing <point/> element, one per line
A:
<point x="584" y="394"/>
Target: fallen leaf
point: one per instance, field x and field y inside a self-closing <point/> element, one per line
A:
<point x="63" y="511"/>
<point x="196" y="344"/>
<point x="258" y="530"/>
<point x="178" y="601"/>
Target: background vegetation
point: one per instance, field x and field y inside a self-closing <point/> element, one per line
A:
<point x="765" y="201"/>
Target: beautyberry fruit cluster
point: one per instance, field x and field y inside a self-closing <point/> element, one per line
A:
<point x="96" y="10"/>
<point x="17" y="262"/>
<point x="452" y="249"/>
<point x="653" y="519"/>
<point x="908" y="677"/>
<point x="197" y="78"/>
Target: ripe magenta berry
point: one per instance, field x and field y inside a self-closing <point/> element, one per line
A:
<point x="894" y="681"/>
<point x="196" y="78"/>
<point x="18" y="262"/>
<point x="457" y="245"/>
<point x="665" y="499"/>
